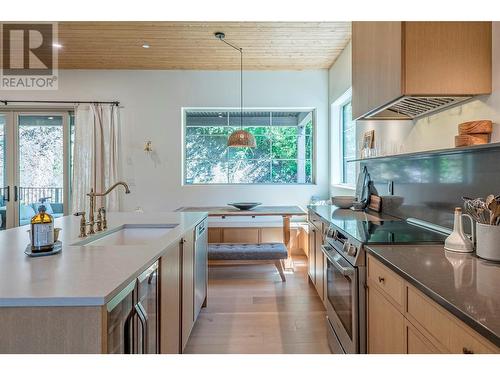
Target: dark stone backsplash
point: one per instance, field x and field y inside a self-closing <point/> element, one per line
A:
<point x="430" y="186"/>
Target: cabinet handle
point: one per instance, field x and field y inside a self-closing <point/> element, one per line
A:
<point x="467" y="351"/>
<point x="381" y="279"/>
<point x="143" y="319"/>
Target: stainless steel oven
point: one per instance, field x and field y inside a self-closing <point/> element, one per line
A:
<point x="345" y="303"/>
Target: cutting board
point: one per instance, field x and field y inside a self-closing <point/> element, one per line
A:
<point x="471" y="140"/>
<point x="375" y="203"/>
<point x="475" y="127"/>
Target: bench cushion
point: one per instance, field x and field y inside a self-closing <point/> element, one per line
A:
<point x="262" y="251"/>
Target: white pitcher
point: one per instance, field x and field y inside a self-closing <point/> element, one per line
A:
<point x="458" y="240"/>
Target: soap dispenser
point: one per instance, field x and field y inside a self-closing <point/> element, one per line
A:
<point x="42" y="231"/>
<point x="458" y="241"/>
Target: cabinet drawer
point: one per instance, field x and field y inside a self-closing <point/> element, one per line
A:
<point x="387" y="281"/>
<point x="461" y="342"/>
<point x="316" y="221"/>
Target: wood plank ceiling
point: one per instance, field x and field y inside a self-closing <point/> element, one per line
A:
<point x="192" y="45"/>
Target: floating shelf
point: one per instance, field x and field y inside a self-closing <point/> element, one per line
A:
<point x="425" y="154"/>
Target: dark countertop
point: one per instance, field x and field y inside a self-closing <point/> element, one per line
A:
<point x="466" y="286"/>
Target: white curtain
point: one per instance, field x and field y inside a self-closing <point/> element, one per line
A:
<point x="96" y="155"/>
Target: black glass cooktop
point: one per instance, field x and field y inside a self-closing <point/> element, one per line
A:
<point x="388" y="232"/>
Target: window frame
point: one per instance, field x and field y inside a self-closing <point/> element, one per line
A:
<point x="337" y="142"/>
<point x="185" y="110"/>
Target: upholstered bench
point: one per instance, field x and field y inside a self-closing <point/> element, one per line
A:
<point x="240" y="253"/>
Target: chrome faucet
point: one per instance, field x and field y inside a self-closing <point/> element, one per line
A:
<point x="101" y="217"/>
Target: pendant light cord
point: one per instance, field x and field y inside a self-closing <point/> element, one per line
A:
<point x="241" y="77"/>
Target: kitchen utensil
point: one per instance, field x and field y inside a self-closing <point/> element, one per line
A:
<point x="244" y="206"/>
<point x="488" y="238"/>
<point x="492" y="207"/>
<point x="483" y="210"/>
<point x="343" y="201"/>
<point x="457" y="241"/>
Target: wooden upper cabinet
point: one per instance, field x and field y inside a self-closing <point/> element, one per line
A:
<point x="376" y="65"/>
<point x="395" y="59"/>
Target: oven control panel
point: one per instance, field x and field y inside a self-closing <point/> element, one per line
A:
<point x="341" y="242"/>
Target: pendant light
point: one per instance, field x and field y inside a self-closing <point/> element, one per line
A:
<point x="238" y="138"/>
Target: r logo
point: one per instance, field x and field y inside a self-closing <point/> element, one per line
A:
<point x="27" y="49"/>
<point x="29" y="60"/>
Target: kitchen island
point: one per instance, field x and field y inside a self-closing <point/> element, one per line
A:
<point x="57" y="304"/>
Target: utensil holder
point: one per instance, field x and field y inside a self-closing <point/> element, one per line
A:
<point x="488" y="241"/>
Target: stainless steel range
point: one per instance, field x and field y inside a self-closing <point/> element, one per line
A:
<point x="344" y="248"/>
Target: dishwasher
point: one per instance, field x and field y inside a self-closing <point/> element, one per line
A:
<point x="133" y="316"/>
<point x="201" y="266"/>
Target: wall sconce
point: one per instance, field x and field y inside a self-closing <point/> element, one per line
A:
<point x="148" y="147"/>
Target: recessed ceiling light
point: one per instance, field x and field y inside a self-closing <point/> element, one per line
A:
<point x="57" y="45"/>
<point x="50" y="118"/>
<point x="145" y="45"/>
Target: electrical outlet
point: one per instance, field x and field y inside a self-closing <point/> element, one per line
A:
<point x="390" y="187"/>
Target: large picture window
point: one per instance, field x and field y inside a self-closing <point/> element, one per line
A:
<point x="284" y="152"/>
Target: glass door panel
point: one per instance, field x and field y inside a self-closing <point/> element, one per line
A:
<point x="4" y="189"/>
<point x="339" y="292"/>
<point x="40" y="165"/>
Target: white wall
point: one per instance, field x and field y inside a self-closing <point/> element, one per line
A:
<point x="433" y="132"/>
<point x="152" y="103"/>
<point x="339" y="81"/>
<point x="340" y="74"/>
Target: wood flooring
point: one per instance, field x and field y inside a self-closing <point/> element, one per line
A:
<point x="251" y="311"/>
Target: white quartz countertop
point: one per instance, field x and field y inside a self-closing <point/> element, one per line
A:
<point x="82" y="275"/>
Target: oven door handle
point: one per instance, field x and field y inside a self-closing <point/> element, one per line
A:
<point x="344" y="270"/>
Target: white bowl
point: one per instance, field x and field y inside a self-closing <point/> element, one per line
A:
<point x="343" y="201"/>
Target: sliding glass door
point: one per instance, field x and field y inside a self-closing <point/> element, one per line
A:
<point x="37" y="154"/>
<point x="4" y="188"/>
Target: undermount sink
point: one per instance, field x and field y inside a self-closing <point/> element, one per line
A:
<point x="128" y="235"/>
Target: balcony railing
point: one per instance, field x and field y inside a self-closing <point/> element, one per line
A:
<point x="29" y="195"/>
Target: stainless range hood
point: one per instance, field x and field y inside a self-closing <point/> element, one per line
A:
<point x="413" y="107"/>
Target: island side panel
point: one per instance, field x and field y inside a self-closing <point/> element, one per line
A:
<point x="170" y="296"/>
<point x="56" y="330"/>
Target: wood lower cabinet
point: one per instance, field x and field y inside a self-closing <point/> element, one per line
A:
<point x="319" y="265"/>
<point x="316" y="258"/>
<point x="414" y="324"/>
<point x="416" y="343"/>
<point x="188" y="269"/>
<point x="386" y="325"/>
<point x="311" y="259"/>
